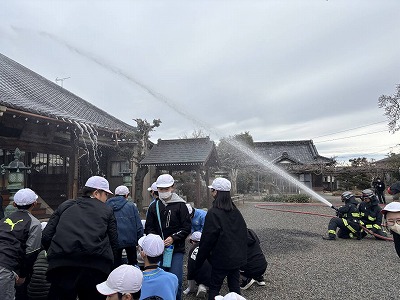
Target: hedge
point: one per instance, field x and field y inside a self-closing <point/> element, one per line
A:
<point x="296" y="198"/>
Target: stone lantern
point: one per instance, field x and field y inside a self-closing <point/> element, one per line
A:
<point x="127" y="181"/>
<point x="16" y="179"/>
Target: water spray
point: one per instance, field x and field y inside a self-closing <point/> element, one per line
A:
<point x="94" y="145"/>
<point x="78" y="125"/>
<point x="267" y="165"/>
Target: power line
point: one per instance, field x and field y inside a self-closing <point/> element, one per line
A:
<point x="347" y="137"/>
<point x="382" y="151"/>
<point x="349" y="129"/>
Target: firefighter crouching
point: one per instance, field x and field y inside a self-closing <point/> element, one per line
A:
<point x="347" y="220"/>
<point x="370" y="214"/>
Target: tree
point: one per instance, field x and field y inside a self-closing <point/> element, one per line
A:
<point x="358" y="175"/>
<point x="245" y="181"/>
<point x="196" y="134"/>
<point x="359" y="162"/>
<point x="232" y="159"/>
<point x="136" y="154"/>
<point x="391" y="104"/>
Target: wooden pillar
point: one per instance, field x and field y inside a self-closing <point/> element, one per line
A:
<point x="73" y="166"/>
<point x="207" y="184"/>
<point x="198" y="188"/>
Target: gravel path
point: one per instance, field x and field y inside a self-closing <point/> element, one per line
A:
<point x="301" y="265"/>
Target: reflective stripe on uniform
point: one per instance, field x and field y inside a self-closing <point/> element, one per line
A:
<point x="376" y="226"/>
<point x="371" y="218"/>
<point x="348" y="226"/>
<point x="332" y="232"/>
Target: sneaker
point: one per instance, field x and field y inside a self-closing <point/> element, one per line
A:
<point x="260" y="280"/>
<point x="246" y="283"/>
<point x="329" y="237"/>
<point x="201" y="291"/>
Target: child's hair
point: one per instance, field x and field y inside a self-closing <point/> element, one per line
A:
<point x="87" y="191"/>
<point x="224" y="201"/>
<point x="135" y="296"/>
<point x="154" y="260"/>
<point x="26" y="207"/>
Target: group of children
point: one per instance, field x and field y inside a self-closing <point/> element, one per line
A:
<point x="79" y="253"/>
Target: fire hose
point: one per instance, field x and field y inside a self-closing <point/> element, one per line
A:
<point x="262" y="206"/>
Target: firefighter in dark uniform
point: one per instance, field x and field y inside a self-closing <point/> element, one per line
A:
<point x="370" y="213"/>
<point x="380" y="187"/>
<point x="347" y="220"/>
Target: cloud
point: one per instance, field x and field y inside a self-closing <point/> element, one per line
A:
<point x="282" y="70"/>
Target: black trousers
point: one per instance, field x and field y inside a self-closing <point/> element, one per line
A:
<point x="130" y="255"/>
<point x="344" y="231"/>
<point x="217" y="279"/>
<point x="381" y="197"/>
<point x="69" y="282"/>
<point x="255" y="272"/>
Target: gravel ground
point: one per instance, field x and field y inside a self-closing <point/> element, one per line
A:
<point x="301" y="265"/>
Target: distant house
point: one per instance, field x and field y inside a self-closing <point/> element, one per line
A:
<point x="387" y="168"/>
<point x="195" y="155"/>
<point x="299" y="158"/>
<point x="64" y="138"/>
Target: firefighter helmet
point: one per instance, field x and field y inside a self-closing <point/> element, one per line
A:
<point x="367" y="193"/>
<point x="346" y="195"/>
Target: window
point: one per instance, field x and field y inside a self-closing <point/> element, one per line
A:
<point x="39" y="162"/>
<point x="117" y="167"/>
<point x="49" y="163"/>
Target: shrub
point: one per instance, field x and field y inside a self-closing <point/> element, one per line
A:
<point x="296" y="198"/>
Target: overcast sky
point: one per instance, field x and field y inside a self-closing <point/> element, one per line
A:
<point x="282" y="70"/>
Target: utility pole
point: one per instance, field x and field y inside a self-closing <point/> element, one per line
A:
<point x="62" y="80"/>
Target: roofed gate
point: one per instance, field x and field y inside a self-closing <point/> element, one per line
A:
<point x="197" y="154"/>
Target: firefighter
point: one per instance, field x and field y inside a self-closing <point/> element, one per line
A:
<point x="370" y="213"/>
<point x="347" y="220"/>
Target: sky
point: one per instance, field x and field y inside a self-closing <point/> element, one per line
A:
<point x="280" y="70"/>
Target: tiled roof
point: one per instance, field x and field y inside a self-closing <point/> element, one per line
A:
<point x="387" y="160"/>
<point x="198" y="151"/>
<point x="298" y="152"/>
<point x="25" y="90"/>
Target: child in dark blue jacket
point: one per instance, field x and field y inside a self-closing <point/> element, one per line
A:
<point x="129" y="225"/>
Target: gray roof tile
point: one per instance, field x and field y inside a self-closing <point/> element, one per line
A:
<point x="198" y="151"/>
<point x="299" y="152"/>
<point x="25" y="90"/>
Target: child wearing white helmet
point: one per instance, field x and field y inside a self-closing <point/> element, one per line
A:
<point x="224" y="240"/>
<point x="391" y="213"/>
<point x="20" y="235"/>
<point x="169" y="218"/>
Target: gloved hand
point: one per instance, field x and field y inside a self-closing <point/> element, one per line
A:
<point x="338" y="214"/>
<point x="335" y="208"/>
